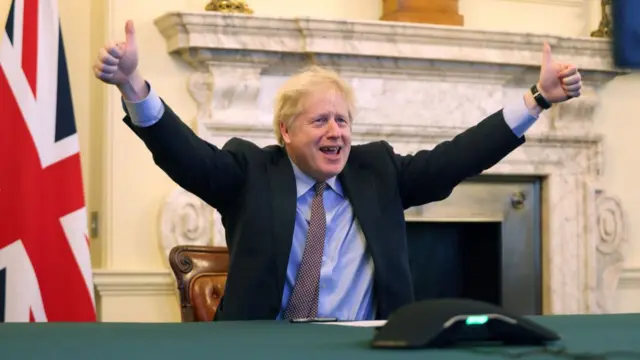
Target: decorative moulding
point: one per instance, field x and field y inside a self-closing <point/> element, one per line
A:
<point x="570" y="3"/>
<point x="109" y="282"/>
<point x="201" y="36"/>
<point x="630" y="278"/>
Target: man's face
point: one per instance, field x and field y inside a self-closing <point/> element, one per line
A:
<point x="319" y="139"/>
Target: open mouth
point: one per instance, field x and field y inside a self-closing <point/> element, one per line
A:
<point x="331" y="150"/>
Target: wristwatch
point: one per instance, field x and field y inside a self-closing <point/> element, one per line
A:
<point x="537" y="96"/>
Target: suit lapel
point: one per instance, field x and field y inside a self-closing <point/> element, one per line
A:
<point x="357" y="186"/>
<point x="283" y="212"/>
<point x="361" y="192"/>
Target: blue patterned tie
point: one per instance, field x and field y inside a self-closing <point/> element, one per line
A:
<point x="303" y="302"/>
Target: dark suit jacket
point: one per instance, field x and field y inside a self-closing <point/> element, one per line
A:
<point x="254" y="190"/>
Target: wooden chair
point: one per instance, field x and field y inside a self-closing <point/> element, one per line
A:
<point x="201" y="275"/>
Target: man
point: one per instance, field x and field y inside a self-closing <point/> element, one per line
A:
<point x="315" y="227"/>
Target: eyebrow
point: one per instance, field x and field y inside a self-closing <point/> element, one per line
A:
<point x="327" y="114"/>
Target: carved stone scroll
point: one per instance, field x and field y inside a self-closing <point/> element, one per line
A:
<point x="185" y="220"/>
<point x="611" y="241"/>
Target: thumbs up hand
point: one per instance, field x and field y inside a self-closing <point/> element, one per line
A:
<point x="558" y="82"/>
<point x="117" y="62"/>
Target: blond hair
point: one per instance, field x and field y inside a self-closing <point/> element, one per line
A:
<point x="290" y="100"/>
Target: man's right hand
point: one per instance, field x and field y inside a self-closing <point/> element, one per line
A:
<point x="117" y="64"/>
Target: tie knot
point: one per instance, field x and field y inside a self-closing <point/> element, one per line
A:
<point x="320" y="186"/>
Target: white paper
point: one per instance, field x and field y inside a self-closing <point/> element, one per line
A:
<point x="368" y="323"/>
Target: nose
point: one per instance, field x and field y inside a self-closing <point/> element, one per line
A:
<point x="333" y="129"/>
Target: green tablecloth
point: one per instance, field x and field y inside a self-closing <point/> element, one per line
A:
<point x="597" y="334"/>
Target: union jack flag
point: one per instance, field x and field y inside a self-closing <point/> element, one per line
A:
<point x="45" y="266"/>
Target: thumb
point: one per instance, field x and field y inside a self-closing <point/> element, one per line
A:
<point x="547" y="61"/>
<point x="130" y="33"/>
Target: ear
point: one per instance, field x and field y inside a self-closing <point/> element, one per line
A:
<point x="285" y="133"/>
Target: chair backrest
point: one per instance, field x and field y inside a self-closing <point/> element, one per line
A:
<point x="201" y="275"/>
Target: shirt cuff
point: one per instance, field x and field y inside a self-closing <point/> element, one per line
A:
<point x="145" y="112"/>
<point x="518" y="117"/>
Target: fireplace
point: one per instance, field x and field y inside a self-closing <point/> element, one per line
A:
<point x="551" y="238"/>
<point x="483" y="243"/>
<point x="453" y="259"/>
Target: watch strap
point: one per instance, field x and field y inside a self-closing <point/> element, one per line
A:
<point x="537" y="96"/>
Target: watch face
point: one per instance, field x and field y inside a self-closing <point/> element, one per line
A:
<point x="540" y="100"/>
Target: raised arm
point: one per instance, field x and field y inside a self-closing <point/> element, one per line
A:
<point x="213" y="174"/>
<point x="431" y="175"/>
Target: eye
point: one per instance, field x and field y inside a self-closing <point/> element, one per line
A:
<point x="342" y="121"/>
<point x="320" y="120"/>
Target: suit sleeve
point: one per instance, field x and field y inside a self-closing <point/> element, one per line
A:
<point x="213" y="174"/>
<point x="431" y="175"/>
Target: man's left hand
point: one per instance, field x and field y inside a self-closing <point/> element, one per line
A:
<point x="558" y="82"/>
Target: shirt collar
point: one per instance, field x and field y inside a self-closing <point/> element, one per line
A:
<point x="305" y="182"/>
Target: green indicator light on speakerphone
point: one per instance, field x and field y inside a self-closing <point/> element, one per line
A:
<point x="477" y="319"/>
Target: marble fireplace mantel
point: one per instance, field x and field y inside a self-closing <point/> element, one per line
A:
<point x="417" y="85"/>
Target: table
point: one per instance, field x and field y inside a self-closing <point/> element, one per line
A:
<point x="282" y="340"/>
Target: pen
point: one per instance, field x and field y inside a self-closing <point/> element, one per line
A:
<point x="312" y="320"/>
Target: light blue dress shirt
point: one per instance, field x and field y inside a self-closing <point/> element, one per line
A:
<point x="346" y="276"/>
